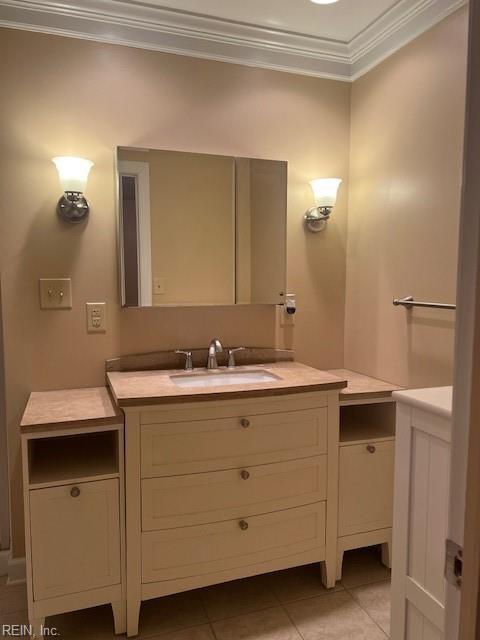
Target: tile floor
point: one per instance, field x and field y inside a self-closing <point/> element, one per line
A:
<point x="286" y="605"/>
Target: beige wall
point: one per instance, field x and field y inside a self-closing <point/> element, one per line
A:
<point x="66" y="96"/>
<point x="405" y="176"/>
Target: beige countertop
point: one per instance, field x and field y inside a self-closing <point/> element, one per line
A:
<point x="80" y="406"/>
<point x="70" y="407"/>
<point x="361" y="386"/>
<point x="153" y="387"/>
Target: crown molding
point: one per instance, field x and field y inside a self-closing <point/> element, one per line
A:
<point x="145" y="26"/>
<point x="406" y="21"/>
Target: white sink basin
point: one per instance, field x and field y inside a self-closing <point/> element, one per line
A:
<point x="223" y="378"/>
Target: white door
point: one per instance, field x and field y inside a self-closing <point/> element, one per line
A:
<point x="467" y="332"/>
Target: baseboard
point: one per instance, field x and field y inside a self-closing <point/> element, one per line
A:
<point x="4" y="555"/>
<point x="17" y="572"/>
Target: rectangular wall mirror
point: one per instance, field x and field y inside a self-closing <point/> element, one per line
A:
<point x="198" y="229"/>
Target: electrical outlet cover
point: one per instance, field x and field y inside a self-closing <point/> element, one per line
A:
<point x="96" y="317"/>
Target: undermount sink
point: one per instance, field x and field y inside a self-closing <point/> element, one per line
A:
<point x="222" y="378"/>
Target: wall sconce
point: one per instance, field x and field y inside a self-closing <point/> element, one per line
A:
<point x="73" y="174"/>
<point x="325" y="194"/>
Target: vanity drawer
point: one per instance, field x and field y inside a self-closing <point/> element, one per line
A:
<point x="203" y="549"/>
<point x="365" y="487"/>
<point x="199" y="498"/>
<point x="207" y="445"/>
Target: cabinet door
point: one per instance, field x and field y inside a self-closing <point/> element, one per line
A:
<point x="75" y="537"/>
<point x="366" y="487"/>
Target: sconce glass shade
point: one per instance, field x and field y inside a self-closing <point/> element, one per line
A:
<point x="73" y="172"/>
<point x="325" y="191"/>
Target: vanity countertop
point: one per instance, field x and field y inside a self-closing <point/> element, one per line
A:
<point x="361" y="387"/>
<point x="154" y="387"/>
<point x="70" y="407"/>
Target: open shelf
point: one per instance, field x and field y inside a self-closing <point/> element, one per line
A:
<point x="366" y="422"/>
<point x="76" y="458"/>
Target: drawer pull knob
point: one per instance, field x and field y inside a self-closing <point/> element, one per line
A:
<point x="371" y="448"/>
<point x="243" y="524"/>
<point x="245" y="474"/>
<point x="245" y="422"/>
<point x="74" y="492"/>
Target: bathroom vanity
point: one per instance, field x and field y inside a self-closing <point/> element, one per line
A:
<point x="229" y="480"/>
<point x="229" y="473"/>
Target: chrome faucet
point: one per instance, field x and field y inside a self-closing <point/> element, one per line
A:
<point x="214" y="348"/>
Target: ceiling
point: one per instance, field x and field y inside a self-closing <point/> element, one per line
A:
<point x="340" y="21"/>
<point x="340" y="41"/>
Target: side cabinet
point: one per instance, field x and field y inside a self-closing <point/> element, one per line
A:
<point x="73" y="492"/>
<point x="366" y="463"/>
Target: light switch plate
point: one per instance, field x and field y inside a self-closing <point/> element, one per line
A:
<point x="96" y="317"/>
<point x="55" y="293"/>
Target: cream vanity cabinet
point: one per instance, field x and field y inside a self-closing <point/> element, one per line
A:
<point x="228" y="488"/>
<point x="74" y="504"/>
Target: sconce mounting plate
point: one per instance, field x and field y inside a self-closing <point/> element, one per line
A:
<point x="73" y="207"/>
<point x="316" y="218"/>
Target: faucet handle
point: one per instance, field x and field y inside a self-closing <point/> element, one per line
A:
<point x="231" y="356"/>
<point x="188" y="359"/>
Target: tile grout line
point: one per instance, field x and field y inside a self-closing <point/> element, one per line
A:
<point x="245" y="613"/>
<point x="284" y="608"/>
<point x="291" y="620"/>
<point x="364" y="584"/>
<point x="207" y="617"/>
<point x="159" y="635"/>
<point x="214" y="635"/>
<point x="363" y="608"/>
<point x="320" y="595"/>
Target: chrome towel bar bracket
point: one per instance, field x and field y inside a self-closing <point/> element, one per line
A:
<point x="409" y="302"/>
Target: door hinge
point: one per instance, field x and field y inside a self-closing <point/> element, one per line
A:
<point x="454" y="563"/>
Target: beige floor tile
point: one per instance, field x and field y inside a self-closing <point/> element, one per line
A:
<point x="334" y="616"/>
<point x="363" y="566"/>
<point x="95" y="623"/>
<point x="234" y="598"/>
<point x="171" y="613"/>
<point x="18" y="617"/>
<point x="12" y="597"/>
<point x="298" y="583"/>
<point x="375" y="599"/>
<point x="268" y="624"/>
<point x="202" y="632"/>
